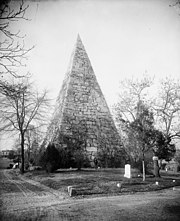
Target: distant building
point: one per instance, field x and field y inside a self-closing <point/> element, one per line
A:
<point x="5" y="153"/>
<point x="171" y="165"/>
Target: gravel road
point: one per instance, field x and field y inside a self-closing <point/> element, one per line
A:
<point x="25" y="199"/>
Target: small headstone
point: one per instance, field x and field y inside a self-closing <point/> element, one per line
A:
<point x="69" y="187"/>
<point x="72" y="191"/>
<point x="119" y="185"/>
<point x="127" y="171"/>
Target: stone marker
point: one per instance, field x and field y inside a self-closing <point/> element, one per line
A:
<point x="156" y="166"/>
<point x="69" y="187"/>
<point x="71" y="190"/>
<point x="119" y="185"/>
<point x="127" y="171"/>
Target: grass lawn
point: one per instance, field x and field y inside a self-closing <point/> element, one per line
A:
<point x="103" y="181"/>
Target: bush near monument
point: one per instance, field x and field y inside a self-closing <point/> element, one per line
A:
<point x="72" y="156"/>
<point x="69" y="158"/>
<point x="72" y="148"/>
<point x="50" y="159"/>
<point x="113" y="158"/>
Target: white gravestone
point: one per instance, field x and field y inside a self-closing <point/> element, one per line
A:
<point x="127" y="171"/>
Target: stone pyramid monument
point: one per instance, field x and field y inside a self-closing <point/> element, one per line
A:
<point x="81" y="109"/>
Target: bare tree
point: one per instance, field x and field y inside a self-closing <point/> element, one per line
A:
<point x="12" y="49"/>
<point x="132" y="92"/>
<point x="32" y="141"/>
<point x="21" y="106"/>
<point x="167" y="107"/>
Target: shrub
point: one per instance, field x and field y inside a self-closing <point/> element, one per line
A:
<point x="114" y="159"/>
<point x="50" y="159"/>
<point x="80" y="159"/>
<point x="69" y="157"/>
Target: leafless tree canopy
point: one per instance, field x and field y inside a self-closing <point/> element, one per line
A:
<point x="12" y="48"/>
<point x="133" y="91"/>
<point x="21" y="106"/>
<point x="167" y="107"/>
<point x="165" y="104"/>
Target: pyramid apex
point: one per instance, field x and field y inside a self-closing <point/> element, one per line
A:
<point x="78" y="37"/>
<point x="79" y="41"/>
<point x="79" y="46"/>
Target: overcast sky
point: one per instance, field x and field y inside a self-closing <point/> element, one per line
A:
<point x="122" y="38"/>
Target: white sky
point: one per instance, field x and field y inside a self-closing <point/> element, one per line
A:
<point x="122" y="38"/>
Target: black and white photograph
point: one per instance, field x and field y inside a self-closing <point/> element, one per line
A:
<point x="89" y="110"/>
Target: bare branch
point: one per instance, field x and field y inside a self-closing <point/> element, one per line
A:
<point x="12" y="50"/>
<point x="167" y="106"/>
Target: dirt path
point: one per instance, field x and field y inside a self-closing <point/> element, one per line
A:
<point x="24" y="199"/>
<point x="20" y="198"/>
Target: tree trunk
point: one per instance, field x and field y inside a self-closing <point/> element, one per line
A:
<point x="156" y="167"/>
<point x="22" y="153"/>
<point x="29" y="155"/>
<point x="144" y="173"/>
<point x="160" y="163"/>
<point x="143" y="166"/>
